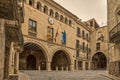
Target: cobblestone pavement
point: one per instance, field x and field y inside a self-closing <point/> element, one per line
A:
<point x="67" y="75"/>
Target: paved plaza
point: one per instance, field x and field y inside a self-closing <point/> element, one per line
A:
<point x="65" y="75"/>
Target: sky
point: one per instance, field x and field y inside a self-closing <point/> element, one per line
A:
<point x="87" y="9"/>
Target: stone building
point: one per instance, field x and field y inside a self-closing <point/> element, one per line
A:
<point x="10" y="37"/>
<point x="98" y="45"/>
<point x="53" y="37"/>
<point x="114" y="36"/>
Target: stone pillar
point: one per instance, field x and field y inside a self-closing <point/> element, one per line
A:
<point x="39" y="68"/>
<point x="11" y="59"/>
<point x="56" y="68"/>
<point x="89" y="65"/>
<point x="76" y="64"/>
<point x="62" y="68"/>
<point x="83" y="65"/>
<point x="49" y="66"/>
<point x="2" y="48"/>
<point x="17" y="60"/>
<point x="66" y="68"/>
<point x="72" y="67"/>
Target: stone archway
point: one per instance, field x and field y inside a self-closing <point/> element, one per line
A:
<point x="99" y="61"/>
<point x="60" y="61"/>
<point x="32" y="58"/>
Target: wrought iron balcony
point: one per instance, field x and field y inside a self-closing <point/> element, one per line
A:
<point x="114" y="34"/>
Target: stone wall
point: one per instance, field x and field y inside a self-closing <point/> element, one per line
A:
<point x="114" y="68"/>
<point x="2" y="47"/>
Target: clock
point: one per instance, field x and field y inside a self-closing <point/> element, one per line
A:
<point x="51" y="20"/>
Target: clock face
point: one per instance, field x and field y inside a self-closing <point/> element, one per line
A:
<point x="51" y="20"/>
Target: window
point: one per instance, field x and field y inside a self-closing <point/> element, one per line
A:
<point x="61" y="18"/>
<point x="83" y="34"/>
<point x="51" y="13"/>
<point x="100" y="36"/>
<point x="45" y="9"/>
<point x="70" y="22"/>
<point x="83" y="46"/>
<point x="87" y="48"/>
<point x="78" y="30"/>
<point x="97" y="46"/>
<point x="66" y="21"/>
<point x="38" y="5"/>
<point x="87" y="36"/>
<point x="32" y="25"/>
<point x="77" y="44"/>
<point x="91" y="23"/>
<point x="31" y="2"/>
<point x="77" y="53"/>
<point x="50" y="33"/>
<point x="57" y="15"/>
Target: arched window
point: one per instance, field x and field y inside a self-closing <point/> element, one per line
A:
<point x="51" y="13"/>
<point x="70" y="22"/>
<point x="61" y="18"/>
<point x="38" y="6"/>
<point x="66" y="21"/>
<point x="57" y="15"/>
<point x="83" y="46"/>
<point x="45" y="9"/>
<point x="31" y="2"/>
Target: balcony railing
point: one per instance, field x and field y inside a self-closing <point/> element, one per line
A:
<point x="114" y="34"/>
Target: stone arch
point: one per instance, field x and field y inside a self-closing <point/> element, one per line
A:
<point x="66" y="20"/>
<point x="51" y="13"/>
<point x="59" y="55"/>
<point x="57" y="15"/>
<point x="70" y="23"/>
<point x="61" y="18"/>
<point x="45" y="9"/>
<point x="38" y="6"/>
<point x="36" y="50"/>
<point x="31" y="2"/>
<point x="99" y="61"/>
<point x="41" y="46"/>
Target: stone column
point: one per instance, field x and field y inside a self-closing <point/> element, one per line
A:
<point x="56" y="68"/>
<point x="76" y="64"/>
<point x="66" y="68"/>
<point x="89" y="65"/>
<point x="72" y="67"/>
<point x="39" y="68"/>
<point x="83" y="65"/>
<point x="49" y="66"/>
<point x="2" y="49"/>
<point x="62" y="68"/>
<point x="16" y="61"/>
<point x="11" y="59"/>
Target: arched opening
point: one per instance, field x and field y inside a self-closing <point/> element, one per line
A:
<point x="32" y="58"/>
<point x="31" y="62"/>
<point x="45" y="9"/>
<point x="51" y="13"/>
<point x="99" y="61"/>
<point x="57" y="15"/>
<point x="61" y="18"/>
<point x="60" y="61"/>
<point x="66" y="20"/>
<point x="31" y="2"/>
<point x="70" y="23"/>
<point x="38" y="6"/>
